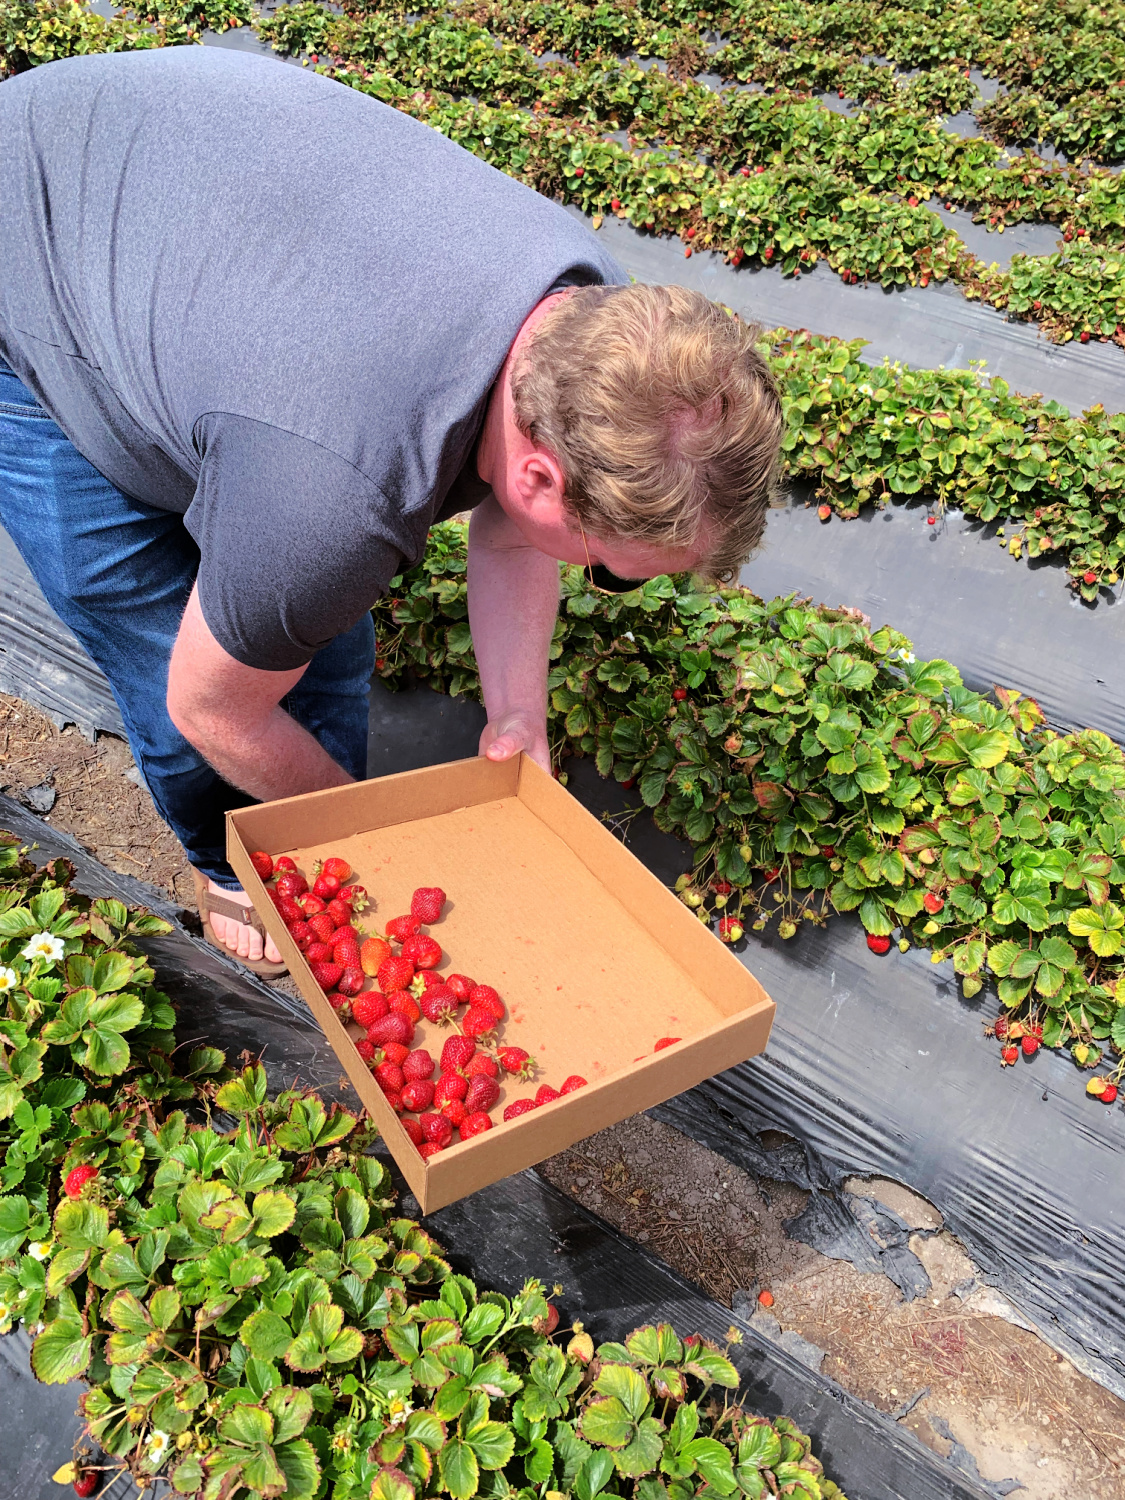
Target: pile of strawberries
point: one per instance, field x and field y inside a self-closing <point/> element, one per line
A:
<point x="344" y="961"/>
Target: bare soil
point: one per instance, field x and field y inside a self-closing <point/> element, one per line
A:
<point x="955" y="1371"/>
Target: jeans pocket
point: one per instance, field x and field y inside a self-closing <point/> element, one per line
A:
<point x="23" y="409"/>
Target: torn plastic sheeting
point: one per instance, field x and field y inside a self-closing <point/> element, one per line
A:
<point x="958" y="594"/>
<point x="518" y="1228"/>
<point x="922" y="326"/>
<point x="869" y="1235"/>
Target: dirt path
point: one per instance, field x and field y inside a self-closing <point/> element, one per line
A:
<point x="968" y="1381"/>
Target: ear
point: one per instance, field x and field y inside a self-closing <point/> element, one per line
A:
<point x="541" y="485"/>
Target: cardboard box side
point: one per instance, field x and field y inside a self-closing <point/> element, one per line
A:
<point x="359" y="1075"/>
<point x="320" y="817"/>
<point x="521" y="1143"/>
<point x="729" y="986"/>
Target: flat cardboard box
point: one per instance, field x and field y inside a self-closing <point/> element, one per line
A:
<point x="594" y="958"/>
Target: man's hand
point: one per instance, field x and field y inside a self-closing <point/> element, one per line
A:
<point x="507" y="736"/>
<point x="513" y="603"/>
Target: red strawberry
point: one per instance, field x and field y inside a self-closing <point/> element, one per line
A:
<point x="1089" y="577"/>
<point x="301" y="933"/>
<point x="456" y="1053"/>
<point x="483" y="1094"/>
<point x="933" y="903"/>
<point x="392" y="1028"/>
<point x="348" y="955"/>
<point x="77" y="1178"/>
<point x="878" y="943"/>
<point x="404" y="1005"/>
<point x="396" y="1052"/>
<point x="545" y="1094"/>
<point x="679" y="694"/>
<point x="337" y="868"/>
<point x="572" y="1083"/>
<point x="1108" y="1094"/>
<point x="413" y="1129"/>
<point x="730" y="929"/>
<point x="519" y="1107"/>
<point x="479" y="1023"/>
<point x="515" y="1060"/>
<point x="325" y="886"/>
<point x="263" y="867"/>
<point x="395" y="974"/>
<point x="436" y="1128"/>
<point x="284" y="866"/>
<point x="288" y="910"/>
<point x="311" y="905"/>
<point x="461" y="985"/>
<point x="322" y="924"/>
<point x="369" y="1008"/>
<point x="450" y="1086"/>
<point x="326" y="974"/>
<point x="340" y="912"/>
<point x="390" y="1078"/>
<point x="484" y="997"/>
<point x="431" y="1148"/>
<point x="395" y="1101"/>
<point x="418" y="1094"/>
<point x="422" y="951"/>
<point x="474" y="1124"/>
<point x="87" y="1482"/>
<point x="454" y="1111"/>
<point x="426" y="904"/>
<point x="365" y="1048"/>
<point x="482" y="1066"/>
<point x="291" y="886"/>
<point x="372" y="952"/>
<point x="438" y="1004"/>
<point x="666" y="1041"/>
<point x="401" y="928"/>
<point x="346" y="934"/>
<point x="356" y="897"/>
<point x="1030" y="1045"/>
<point x="419" y="1064"/>
<point x="318" y="953"/>
<point x="338" y="1002"/>
<point x="1000" y="1028"/>
<point x="351" y="981"/>
<point x="824" y="512"/>
<point x="1009" y="1055"/>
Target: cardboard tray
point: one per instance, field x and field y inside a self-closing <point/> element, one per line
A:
<point x="595" y="959"/>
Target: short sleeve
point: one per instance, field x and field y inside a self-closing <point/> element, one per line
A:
<point x="295" y="543"/>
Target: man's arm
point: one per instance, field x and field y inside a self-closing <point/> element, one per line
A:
<point x="513" y="604"/>
<point x="231" y="714"/>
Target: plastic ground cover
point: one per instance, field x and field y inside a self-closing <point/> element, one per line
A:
<point x="515" y="1229"/>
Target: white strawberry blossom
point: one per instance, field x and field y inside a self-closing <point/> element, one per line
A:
<point x="44" y="945"/>
<point x="9" y="980"/>
<point x="39" y="1249"/>
<point x="158" y="1445"/>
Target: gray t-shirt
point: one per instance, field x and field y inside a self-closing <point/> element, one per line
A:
<point x="267" y="302"/>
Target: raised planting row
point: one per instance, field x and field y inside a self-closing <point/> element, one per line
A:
<point x="250" y="1315"/>
<point x="784" y="212"/>
<point x="817" y="767"/>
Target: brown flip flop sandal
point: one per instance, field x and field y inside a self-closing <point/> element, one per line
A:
<point x="207" y="902"/>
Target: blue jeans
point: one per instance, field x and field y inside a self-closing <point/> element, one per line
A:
<point x="119" y="573"/>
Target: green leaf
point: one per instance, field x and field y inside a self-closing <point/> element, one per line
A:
<point x="627" y="1386"/>
<point x="267" y="1336"/>
<point x="460" y="1472"/>
<point x="607" y="1423"/>
<point x="274" y="1212"/>
<point x="392" y="1484"/>
<point x="61" y="1352"/>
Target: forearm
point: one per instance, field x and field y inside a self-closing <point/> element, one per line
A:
<point x="271" y="758"/>
<point x="513" y="605"/>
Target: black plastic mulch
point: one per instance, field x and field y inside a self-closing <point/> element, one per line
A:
<point x="518" y="1228"/>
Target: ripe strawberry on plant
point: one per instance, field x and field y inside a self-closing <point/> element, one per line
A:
<point x="369" y="1008"/>
<point x="575" y="1081"/>
<point x="390" y="1077"/>
<point x="516" y="1061"/>
<point x="373" y="951"/>
<point x="878" y="943"/>
<point x="475" y="1124"/>
<point x="730" y="929"/>
<point x="1030" y="1045"/>
<point x="479" y="1023"/>
<point x="422" y="951"/>
<point x="334" y="866"/>
<point x="426" y="904"/>
<point x="419" y="1064"/>
<point x="1108" y="1094"/>
<point x="483" y="1093"/>
<point x="1009" y="1055"/>
<point x="545" y="1094"/>
<point x="391" y="1028"/>
<point x="86" y="1484"/>
<point x="395" y="974"/>
<point x="263" y="864"/>
<point x="933" y="903"/>
<point x="461" y="985"/>
<point x="519" y="1107"/>
<point x="450" y="1086"/>
<point x="418" y="1094"/>
<point x="482" y="1066"/>
<point x="456" y="1053"/>
<point x="436" y="1128"/>
<point x="77" y="1178"/>
<point x="326" y="974"/>
<point x="438" y="1004"/>
<point x="401" y="928"/>
<point x="484" y="997"/>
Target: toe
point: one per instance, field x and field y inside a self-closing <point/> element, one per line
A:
<point x="272" y="951"/>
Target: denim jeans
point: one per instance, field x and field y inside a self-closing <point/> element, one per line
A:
<point x="119" y="573"/>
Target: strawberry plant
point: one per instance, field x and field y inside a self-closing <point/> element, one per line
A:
<point x="250" y="1314"/>
<point x="817" y="767"/>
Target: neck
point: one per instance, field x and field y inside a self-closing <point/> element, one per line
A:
<point x="493" y="448"/>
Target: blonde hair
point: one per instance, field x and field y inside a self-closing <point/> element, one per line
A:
<point x="662" y="414"/>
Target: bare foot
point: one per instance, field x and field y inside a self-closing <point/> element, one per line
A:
<point x="242" y="939"/>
